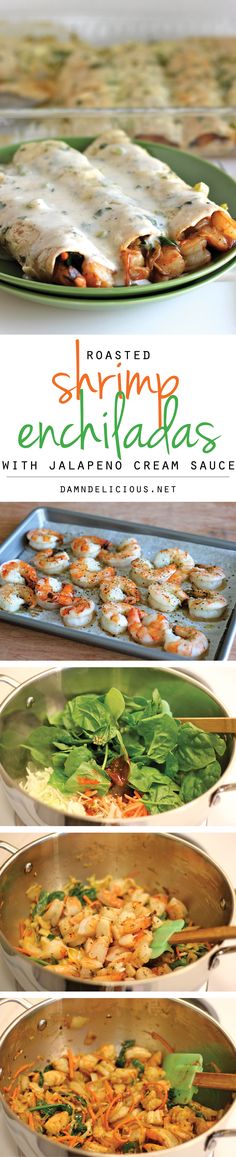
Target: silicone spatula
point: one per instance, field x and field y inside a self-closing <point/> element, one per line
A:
<point x="181" y="1069"/>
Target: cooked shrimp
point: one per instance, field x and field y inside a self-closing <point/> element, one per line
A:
<point x="223" y="221"/>
<point x="186" y="641"/>
<point x="80" y="614"/>
<point x="146" y="628"/>
<point x="56" y="1123"/>
<point x="194" y="251"/>
<point x="87" y="547"/>
<point x="166" y="262"/>
<point x="11" y="598"/>
<point x="208" y="606"/>
<point x="96" y="953"/>
<point x="141" y="572"/>
<point x="54" y="911"/>
<point x="96" y="275"/>
<point x="76" y="929"/>
<point x="52" y="563"/>
<point x="165" y="597"/>
<point x="45" y="590"/>
<point x="50" y="591"/>
<point x="219" y="231"/>
<point x="176" y="910"/>
<point x="207" y="578"/>
<point x="44" y="539"/>
<point x="181" y="558"/>
<point x="85" y="573"/>
<point x="118" y="590"/>
<point x="112" y="618"/>
<point x="17" y="571"/>
<point x="121" y="554"/>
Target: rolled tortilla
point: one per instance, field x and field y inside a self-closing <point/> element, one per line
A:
<point x="151" y="183"/>
<point x="52" y="199"/>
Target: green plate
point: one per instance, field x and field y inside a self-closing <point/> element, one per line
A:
<point x="191" y="169"/>
<point x="98" y="302"/>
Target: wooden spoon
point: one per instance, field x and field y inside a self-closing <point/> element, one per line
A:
<point x="204" y="935"/>
<point x="216" y="1081"/>
<point x="221" y="724"/>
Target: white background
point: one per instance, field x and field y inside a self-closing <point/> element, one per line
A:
<point x="206" y="393"/>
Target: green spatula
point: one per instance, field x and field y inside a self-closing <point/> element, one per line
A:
<point x="184" y="1071"/>
<point x="181" y="1070"/>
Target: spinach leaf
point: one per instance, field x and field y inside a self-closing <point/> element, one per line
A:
<point x="195" y="784"/>
<point x="86" y="777"/>
<point x="81" y="891"/>
<point x="219" y="744"/>
<point x="131" y="1147"/>
<point x="45" y="899"/>
<point x="49" y="1110"/>
<point x="121" y="1059"/>
<point x="78" y="1125"/>
<point x="163" y="797"/>
<point x="163" y="733"/>
<point x="42" y="740"/>
<point x="138" y="1065"/>
<point x="90" y="717"/>
<point x="195" y="749"/>
<point x="76" y="760"/>
<point x="172" y="765"/>
<point x="115" y="703"/>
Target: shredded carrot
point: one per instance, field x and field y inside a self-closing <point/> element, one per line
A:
<point x="70" y="1141"/>
<point x="135" y="808"/>
<point x="31" y="1121"/>
<point x="22" y="1069"/>
<point x="71" y="1063"/>
<point x="106" y="1115"/>
<point x="108" y="1090"/>
<point x="91" y="1111"/>
<point x="15" y="1092"/>
<point x="21" y="929"/>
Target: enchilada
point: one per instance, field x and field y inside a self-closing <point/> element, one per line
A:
<point x="113" y="215"/>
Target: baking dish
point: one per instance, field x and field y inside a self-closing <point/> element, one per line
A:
<point x="47" y="1029"/>
<point x="50" y="691"/>
<point x="210" y="129"/>
<point x="186" y="871"/>
<point x="212" y="551"/>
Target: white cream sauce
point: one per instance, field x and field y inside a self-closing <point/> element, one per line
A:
<point x="149" y="181"/>
<point x="53" y="199"/>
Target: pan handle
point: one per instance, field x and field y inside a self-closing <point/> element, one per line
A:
<point x="219" y="791"/>
<point x="225" y="950"/>
<point x="8" y="679"/>
<point x="8" y="848"/>
<point x="212" y="1140"/>
<point x="14" y="1000"/>
<point x="224" y="789"/>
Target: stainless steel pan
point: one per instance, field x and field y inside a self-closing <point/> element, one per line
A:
<point x="185" y="870"/>
<point x="49" y="692"/>
<point x="43" y="1033"/>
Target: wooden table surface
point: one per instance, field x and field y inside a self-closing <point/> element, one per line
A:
<point x="212" y="519"/>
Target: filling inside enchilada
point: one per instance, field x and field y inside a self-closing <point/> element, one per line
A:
<point x="112" y="215"/>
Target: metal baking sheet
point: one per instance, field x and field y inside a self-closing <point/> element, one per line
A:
<point x="210" y="551"/>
